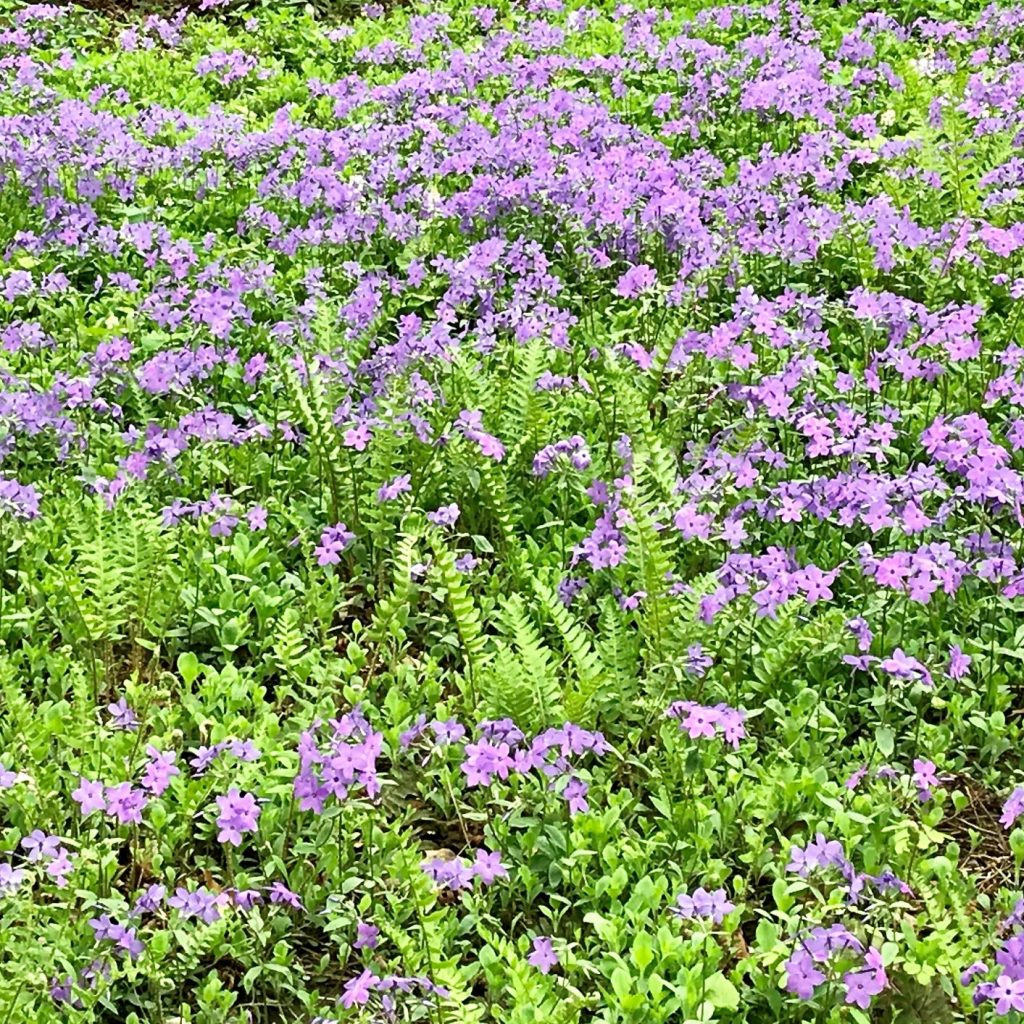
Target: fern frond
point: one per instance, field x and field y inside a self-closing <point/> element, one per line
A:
<point x="390" y="608"/>
<point x="312" y="406"/>
<point x="464" y="612"/>
<point x="581" y="698"/>
<point x="535" y="664"/>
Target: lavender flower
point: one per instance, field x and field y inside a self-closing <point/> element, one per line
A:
<point x="702" y="903"/>
<point x="239" y="813"/>
<point x="543" y="955"/>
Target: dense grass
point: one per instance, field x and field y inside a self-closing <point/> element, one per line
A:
<point x="512" y="514"/>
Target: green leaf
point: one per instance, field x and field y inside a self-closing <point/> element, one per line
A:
<point x="642" y="952"/>
<point x="721" y="993"/>
<point x="885" y="739"/>
<point x="188" y="667"/>
<point x="622" y="982"/>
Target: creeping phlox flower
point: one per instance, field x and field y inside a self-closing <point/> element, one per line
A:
<point x="279" y="893"/>
<point x="455" y="873"/>
<point x="61" y="989"/>
<point x="959" y="663"/>
<point x="203" y="757"/>
<point x="822" y="854"/>
<point x="367" y="935"/>
<point x="701" y="903"/>
<point x="158" y="771"/>
<point x="125" y="939"/>
<point x="393" y="488"/>
<point x="199" y="903"/>
<point x="358" y="990"/>
<point x="11" y="878"/>
<point x="333" y="541"/>
<point x="336" y="764"/>
<point x="21" y="501"/>
<point x="1013" y="808"/>
<point x="697" y="662"/>
<point x="122" y="716"/>
<point x="10" y="778"/>
<point x="446" y="515"/>
<point x="124" y="803"/>
<point x="543" y="955"/>
<point x="699" y="721"/>
<point x="898" y="665"/>
<point x="443" y="733"/>
<point x="636" y="281"/>
<point x="239" y="813"/>
<point x="573" y="450"/>
<point x="925" y="778"/>
<point x="470" y="424"/>
<point x="223" y="513"/>
<point x="49" y="851"/>
<point x="826" y="952"/>
<point x="502" y="750"/>
<point x="1005" y="992"/>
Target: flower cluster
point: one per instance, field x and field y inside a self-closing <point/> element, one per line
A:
<point x="456" y="873"/>
<point x="336" y="760"/>
<point x="701" y="722"/>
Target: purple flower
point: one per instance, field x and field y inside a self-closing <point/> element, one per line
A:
<point x="244" y="899"/>
<point x="903" y="666"/>
<point x="543" y="955"/>
<point x="446" y="515"/>
<point x="122" y="716"/>
<point x="978" y="967"/>
<point x="865" y="982"/>
<point x="60" y="867"/>
<point x="40" y="846"/>
<point x="453" y="875"/>
<point x="1008" y="994"/>
<point x="575" y="794"/>
<point x="239" y="813"/>
<point x="636" y="280"/>
<point x="333" y="541"/>
<point x="802" y="976"/>
<point x="703" y="722"/>
<point x="701" y="903"/>
<point x="449" y="731"/>
<point x="357" y="990"/>
<point x="257" y="517"/>
<point x="61" y="989"/>
<point x="959" y="663"/>
<point x="488" y="867"/>
<point x="393" y="488"/>
<point x="10" y="878"/>
<point x="1013" y="808"/>
<point x="925" y="779"/>
<point x="159" y="770"/>
<point x="697" y="662"/>
<point x="89" y="796"/>
<point x="485" y="760"/>
<point x="10" y="778"/>
<point x="367" y="936"/>
<point x="199" y="903"/>
<point x="124" y="938"/>
<point x="280" y="893"/>
<point x="125" y="803"/>
<point x="150" y="901"/>
<point x="818" y="854"/>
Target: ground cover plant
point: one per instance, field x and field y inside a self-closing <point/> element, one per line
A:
<point x="512" y="513"/>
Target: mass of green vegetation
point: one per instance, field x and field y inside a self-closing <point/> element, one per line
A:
<point x="512" y="513"/>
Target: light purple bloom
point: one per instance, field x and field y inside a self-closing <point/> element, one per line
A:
<point x="543" y="955"/>
<point x="714" y="905"/>
<point x="239" y="813"/>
